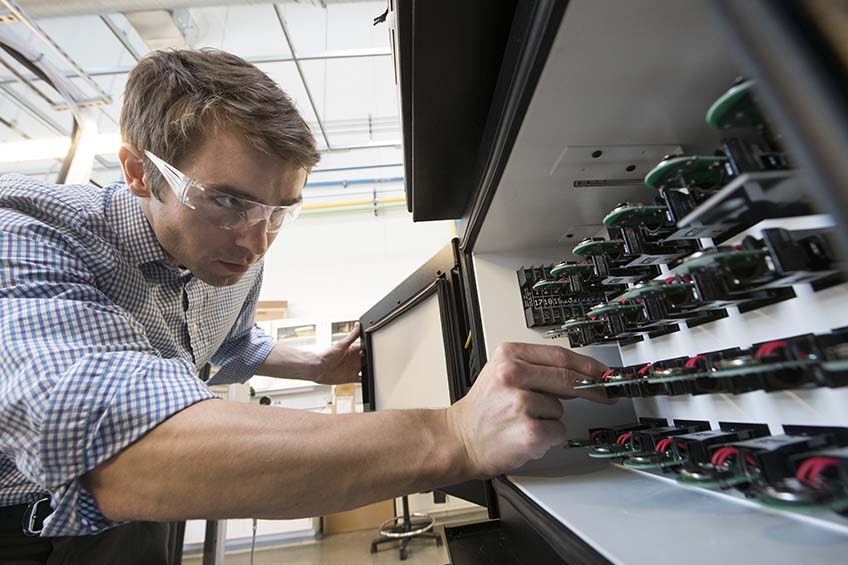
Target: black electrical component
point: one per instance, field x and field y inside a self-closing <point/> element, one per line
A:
<point x="551" y="301"/>
<point x="683" y="183"/>
<point x="612" y="263"/>
<point x="626" y="319"/>
<point x="671" y="300"/>
<point x="697" y="448"/>
<point x="647" y="440"/>
<point x="554" y="294"/>
<point x="730" y="276"/>
<point x="608" y="435"/>
<point x="654" y="448"/>
<point x="643" y="229"/>
<point x="613" y="441"/>
<point x="824" y="471"/>
<point x="748" y="142"/>
<point x="748" y="180"/>
<point x="769" y="459"/>
<point x="584" y="331"/>
<point x="790" y="363"/>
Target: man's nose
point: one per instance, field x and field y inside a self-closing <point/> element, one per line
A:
<point x="254" y="238"/>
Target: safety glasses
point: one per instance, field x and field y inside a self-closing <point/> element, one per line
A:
<point x="221" y="209"/>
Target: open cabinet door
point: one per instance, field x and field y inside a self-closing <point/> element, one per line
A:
<point x="414" y="348"/>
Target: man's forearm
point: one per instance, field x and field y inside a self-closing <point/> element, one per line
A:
<point x="219" y="459"/>
<point x="290" y="363"/>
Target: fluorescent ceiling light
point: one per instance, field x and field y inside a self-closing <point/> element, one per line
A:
<point x="53" y="148"/>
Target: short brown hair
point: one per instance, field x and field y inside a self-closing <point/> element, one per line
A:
<point x="174" y="99"/>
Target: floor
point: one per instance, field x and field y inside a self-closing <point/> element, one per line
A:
<point x="348" y="549"/>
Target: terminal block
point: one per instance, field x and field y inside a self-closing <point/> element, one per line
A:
<point x="550" y="297"/>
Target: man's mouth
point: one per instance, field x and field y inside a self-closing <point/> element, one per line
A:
<point x="236" y="267"/>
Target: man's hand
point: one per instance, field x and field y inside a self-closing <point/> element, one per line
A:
<point x="512" y="413"/>
<point x="340" y="363"/>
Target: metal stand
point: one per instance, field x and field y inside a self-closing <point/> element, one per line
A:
<point x="406" y="528"/>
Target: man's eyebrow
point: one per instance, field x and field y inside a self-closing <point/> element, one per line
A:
<point x="233" y="191"/>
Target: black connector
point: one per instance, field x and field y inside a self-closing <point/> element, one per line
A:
<point x="698" y="447"/>
<point x="646" y="441"/>
<point x="769" y="459"/>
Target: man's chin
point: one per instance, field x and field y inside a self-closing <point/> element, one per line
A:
<point x="218" y="279"/>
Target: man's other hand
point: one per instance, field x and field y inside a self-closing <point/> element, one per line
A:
<point x="340" y="363"/>
<point x="512" y="413"/>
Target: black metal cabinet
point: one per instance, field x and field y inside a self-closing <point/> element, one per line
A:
<point x="468" y="72"/>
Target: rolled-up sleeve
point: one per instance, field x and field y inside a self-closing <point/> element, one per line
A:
<point x="79" y="381"/>
<point x="246" y="347"/>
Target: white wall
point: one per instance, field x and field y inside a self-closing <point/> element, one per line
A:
<point x="338" y="266"/>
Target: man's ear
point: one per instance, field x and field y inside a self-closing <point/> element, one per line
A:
<point x="133" y="167"/>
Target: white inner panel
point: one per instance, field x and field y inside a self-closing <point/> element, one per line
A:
<point x="410" y="368"/>
<point x="633" y="79"/>
<point x="633" y="518"/>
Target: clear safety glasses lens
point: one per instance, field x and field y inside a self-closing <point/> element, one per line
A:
<point x="224" y="210"/>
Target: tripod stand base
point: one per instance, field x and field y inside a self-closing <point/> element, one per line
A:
<point x="417" y="526"/>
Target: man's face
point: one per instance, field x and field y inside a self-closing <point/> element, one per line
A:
<point x="226" y="163"/>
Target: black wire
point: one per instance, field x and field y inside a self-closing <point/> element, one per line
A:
<point x="20" y="58"/>
<point x="75" y="132"/>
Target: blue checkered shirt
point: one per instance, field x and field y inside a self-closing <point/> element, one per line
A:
<point x="100" y="339"/>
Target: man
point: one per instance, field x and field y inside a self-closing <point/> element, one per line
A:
<point x="111" y="300"/>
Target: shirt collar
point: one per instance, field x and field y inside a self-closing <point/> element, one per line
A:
<point x="134" y="233"/>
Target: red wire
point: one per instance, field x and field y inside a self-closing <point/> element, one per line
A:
<point x="670" y="280"/>
<point x="803" y="470"/>
<point x="768" y="348"/>
<point x="607" y="374"/>
<point x="692" y="361"/>
<point x="644" y="370"/>
<point x="664" y="444"/>
<point x="622" y="439"/>
<point x="826" y="463"/>
<point x="811" y="469"/>
<point x="595" y="434"/>
<point x="722" y="454"/>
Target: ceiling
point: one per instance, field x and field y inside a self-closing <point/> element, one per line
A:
<point x="328" y="56"/>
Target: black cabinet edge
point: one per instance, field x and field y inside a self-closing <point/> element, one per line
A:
<point x="565" y="543"/>
<point x="533" y="32"/>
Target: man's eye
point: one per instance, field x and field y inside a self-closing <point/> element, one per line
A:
<point x="229" y="202"/>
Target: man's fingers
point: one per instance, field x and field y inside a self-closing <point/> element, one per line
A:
<point x="345" y="342"/>
<point x="554" y="356"/>
<point x="555" y="381"/>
